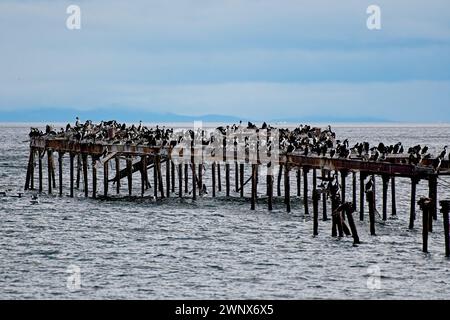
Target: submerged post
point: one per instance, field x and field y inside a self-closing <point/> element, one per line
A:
<point x="85" y="175"/>
<point x="40" y="155"/>
<point x="412" y="215"/>
<point x="445" y="208"/>
<point x="269" y="187"/>
<point x="180" y="180"/>
<point x="385" y="179"/>
<point x="60" y="172"/>
<point x="305" y="189"/>
<point x="324" y="201"/>
<point x="432" y="184"/>
<point x="344" y="174"/>
<point x="316" y="198"/>
<point x="371" y="200"/>
<point x="349" y="209"/>
<point x="49" y="170"/>
<point x="253" y="197"/>
<point x="287" y="191"/>
<point x="393" y="197"/>
<point x="213" y="178"/>
<point x="130" y="175"/>
<point x="362" y="178"/>
<point x="425" y="205"/>
<point x="94" y="178"/>
<point x="354" y="190"/>
<point x="117" y="159"/>
<point x="72" y="156"/>
<point x="241" y="178"/>
<point x="299" y="175"/>
<point x="227" y="179"/>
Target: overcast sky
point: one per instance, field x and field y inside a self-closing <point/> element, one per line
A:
<point x="272" y="58"/>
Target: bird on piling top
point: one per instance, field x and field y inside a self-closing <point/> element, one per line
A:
<point x="443" y="153"/>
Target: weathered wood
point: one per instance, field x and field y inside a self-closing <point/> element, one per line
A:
<point x="160" y="177"/>
<point x="236" y="176"/>
<point x="60" y="172"/>
<point x="280" y="174"/>
<point x="49" y="170"/>
<point x="117" y="162"/>
<point x="287" y="189"/>
<point x="40" y="172"/>
<point x="180" y="180"/>
<point x="253" y="196"/>
<point x="227" y="179"/>
<point x="94" y="178"/>
<point x="72" y="158"/>
<point x="85" y="175"/>
<point x="105" y="178"/>
<point x="385" y="180"/>
<point x="219" y="183"/>
<point x="241" y="178"/>
<point x="362" y="178"/>
<point x="412" y="215"/>
<point x="213" y="178"/>
<point x="299" y="178"/>
<point x="371" y="201"/>
<point x="316" y="198"/>
<point x="143" y="175"/>
<point x="354" y="190"/>
<point x="52" y="165"/>
<point x="28" y="177"/>
<point x="425" y="205"/>
<point x="445" y="208"/>
<point x="168" y="178"/>
<point x="172" y="173"/>
<point x="194" y="182"/>
<point x="155" y="179"/>
<point x="269" y="187"/>
<point x="344" y="174"/>
<point x="334" y="215"/>
<point x="186" y="178"/>
<point x="305" y="190"/>
<point x="349" y="209"/>
<point x="130" y="175"/>
<point x="324" y="201"/>
<point x="79" y="169"/>
<point x="393" y="197"/>
<point x="432" y="185"/>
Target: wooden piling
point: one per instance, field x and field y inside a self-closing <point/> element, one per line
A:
<point x="253" y="196"/>
<point x="72" y="158"/>
<point x="200" y="179"/>
<point x="425" y="205"/>
<point x="432" y="184"/>
<point x="160" y="177"/>
<point x="344" y="174"/>
<point x="393" y="197"/>
<point x="186" y="178"/>
<point x="385" y="179"/>
<point x="213" y="179"/>
<point x="130" y="175"/>
<point x="168" y="178"/>
<point x="354" y="190"/>
<point x="316" y="198"/>
<point x="445" y="208"/>
<point x="180" y="180"/>
<point x="299" y="175"/>
<point x="412" y="215"/>
<point x="155" y="178"/>
<point x="28" y="177"/>
<point x="194" y="182"/>
<point x="324" y="201"/>
<point x="52" y="166"/>
<point x="371" y="200"/>
<point x="362" y="178"/>
<point x="117" y="161"/>
<point x="305" y="189"/>
<point x="172" y="174"/>
<point x="40" y="171"/>
<point x="334" y="215"/>
<point x="227" y="179"/>
<point x="105" y="178"/>
<point x="236" y="176"/>
<point x="241" y="178"/>
<point x="60" y="172"/>
<point x="280" y="174"/>
<point x="49" y="170"/>
<point x="269" y="187"/>
<point x="94" y="178"/>
<point x="219" y="182"/>
<point x="349" y="209"/>
<point x="287" y="189"/>
<point x="79" y="169"/>
<point x="143" y="174"/>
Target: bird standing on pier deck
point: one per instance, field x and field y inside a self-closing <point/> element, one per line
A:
<point x="369" y="185"/>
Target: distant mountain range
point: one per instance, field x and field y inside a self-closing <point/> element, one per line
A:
<point x="66" y="115"/>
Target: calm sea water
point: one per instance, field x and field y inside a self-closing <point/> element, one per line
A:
<point x="210" y="248"/>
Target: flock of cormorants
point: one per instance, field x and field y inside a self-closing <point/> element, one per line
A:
<point x="303" y="139"/>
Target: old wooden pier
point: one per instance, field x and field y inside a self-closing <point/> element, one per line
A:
<point x="158" y="171"/>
